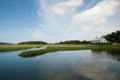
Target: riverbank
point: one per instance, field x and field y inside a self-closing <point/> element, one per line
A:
<point x="54" y="48"/>
<point x="5" y="48"/>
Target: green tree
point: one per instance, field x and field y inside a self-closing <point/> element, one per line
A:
<point x="33" y="42"/>
<point x="113" y="37"/>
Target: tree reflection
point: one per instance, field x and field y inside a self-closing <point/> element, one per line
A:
<point x="115" y="54"/>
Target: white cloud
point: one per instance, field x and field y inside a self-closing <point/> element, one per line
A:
<point x="98" y="13"/>
<point x="99" y="29"/>
<point x="64" y="7"/>
<point x="57" y="23"/>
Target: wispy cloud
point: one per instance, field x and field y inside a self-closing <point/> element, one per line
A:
<point x="67" y="6"/>
<point x="61" y="20"/>
<point x="99" y="13"/>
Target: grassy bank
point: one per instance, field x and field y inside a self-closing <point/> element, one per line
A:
<point x="5" y="48"/>
<point x="54" y="48"/>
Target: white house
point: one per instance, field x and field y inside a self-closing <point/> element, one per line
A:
<point x="99" y="40"/>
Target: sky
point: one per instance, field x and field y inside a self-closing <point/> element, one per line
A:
<point x="57" y="20"/>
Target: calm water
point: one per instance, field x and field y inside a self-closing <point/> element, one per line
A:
<point x="61" y="65"/>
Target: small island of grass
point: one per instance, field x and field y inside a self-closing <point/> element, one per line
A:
<point x="54" y="48"/>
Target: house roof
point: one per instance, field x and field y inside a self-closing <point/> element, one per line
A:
<point x="99" y="40"/>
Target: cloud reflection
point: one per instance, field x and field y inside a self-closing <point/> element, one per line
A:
<point x="95" y="72"/>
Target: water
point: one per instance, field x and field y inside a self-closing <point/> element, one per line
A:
<point x="61" y="65"/>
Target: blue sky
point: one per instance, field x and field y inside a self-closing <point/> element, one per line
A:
<point x="57" y="20"/>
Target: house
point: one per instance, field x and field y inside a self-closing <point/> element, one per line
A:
<point x="97" y="41"/>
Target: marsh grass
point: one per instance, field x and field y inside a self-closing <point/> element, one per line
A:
<point x="54" y="48"/>
<point x="5" y="48"/>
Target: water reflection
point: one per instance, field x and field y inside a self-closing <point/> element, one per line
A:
<point x="95" y="72"/>
<point x="79" y="65"/>
<point x="62" y="65"/>
<point x="114" y="54"/>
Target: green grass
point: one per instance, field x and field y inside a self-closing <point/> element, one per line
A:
<point x="54" y="48"/>
<point x="5" y="48"/>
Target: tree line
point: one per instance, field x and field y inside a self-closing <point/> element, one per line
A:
<point x="74" y="42"/>
<point x="114" y="37"/>
<point x="33" y="42"/>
